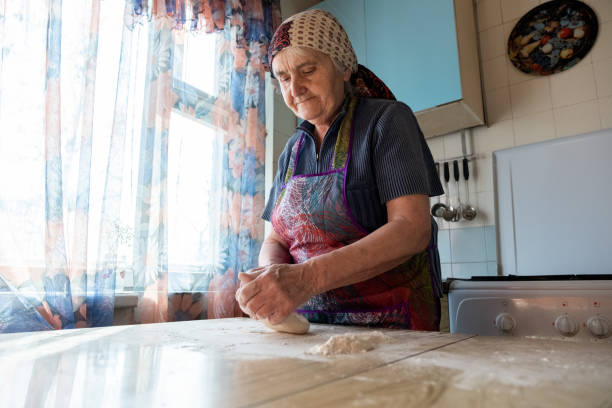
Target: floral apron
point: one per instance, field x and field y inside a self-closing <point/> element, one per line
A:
<point x="312" y="215"/>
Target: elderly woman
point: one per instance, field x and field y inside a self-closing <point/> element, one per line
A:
<point x="352" y="241"/>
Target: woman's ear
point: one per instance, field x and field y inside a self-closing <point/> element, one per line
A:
<point x="347" y="75"/>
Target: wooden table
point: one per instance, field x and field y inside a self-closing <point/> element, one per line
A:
<point x="240" y="363"/>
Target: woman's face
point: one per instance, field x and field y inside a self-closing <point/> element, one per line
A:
<point x="311" y="85"/>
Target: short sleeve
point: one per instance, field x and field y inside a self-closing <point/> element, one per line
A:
<point x="283" y="162"/>
<point x="403" y="163"/>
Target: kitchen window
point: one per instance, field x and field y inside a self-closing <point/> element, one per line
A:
<point x="193" y="150"/>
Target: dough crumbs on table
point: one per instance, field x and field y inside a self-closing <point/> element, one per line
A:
<point x="350" y="343"/>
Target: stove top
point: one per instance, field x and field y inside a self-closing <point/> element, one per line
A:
<point x="537" y="278"/>
<point x="568" y="307"/>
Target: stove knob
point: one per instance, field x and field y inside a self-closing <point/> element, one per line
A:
<point x="505" y="322"/>
<point x="599" y="326"/>
<point x="566" y="326"/>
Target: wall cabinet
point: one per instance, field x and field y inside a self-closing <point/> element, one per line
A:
<point x="425" y="51"/>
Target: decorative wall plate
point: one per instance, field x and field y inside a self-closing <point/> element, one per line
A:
<point x="552" y="37"/>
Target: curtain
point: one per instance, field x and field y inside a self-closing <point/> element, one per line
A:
<point x="120" y="174"/>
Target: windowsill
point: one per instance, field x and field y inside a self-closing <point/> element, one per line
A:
<point x="125" y="300"/>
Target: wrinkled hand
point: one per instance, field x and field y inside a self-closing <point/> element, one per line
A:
<point x="273" y="292"/>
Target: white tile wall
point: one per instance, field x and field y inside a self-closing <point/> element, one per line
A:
<point x="497" y="105"/>
<point x="576" y="119"/>
<point x="523" y="108"/>
<point x="494" y="73"/>
<point x="512" y="9"/>
<point x="534" y="128"/>
<point x="573" y="86"/>
<point x="530" y="97"/>
<point x="499" y="135"/>
<point x="489" y="14"/>
<point x="603" y="8"/>
<point x="603" y="46"/>
<point x="603" y="79"/>
<point x="452" y="146"/>
<point x="492" y="43"/>
<point x="605" y="112"/>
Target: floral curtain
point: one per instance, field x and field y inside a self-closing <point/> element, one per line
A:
<point x="121" y="174"/>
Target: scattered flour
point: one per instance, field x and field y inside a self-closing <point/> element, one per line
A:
<point x="350" y="343"/>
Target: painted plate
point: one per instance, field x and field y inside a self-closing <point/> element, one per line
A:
<point x="552" y="37"/>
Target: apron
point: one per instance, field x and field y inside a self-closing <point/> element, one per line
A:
<point x="312" y="215"/>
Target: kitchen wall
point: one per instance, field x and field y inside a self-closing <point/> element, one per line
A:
<point x="520" y="109"/>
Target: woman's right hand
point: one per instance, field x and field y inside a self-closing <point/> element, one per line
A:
<point x="273" y="292"/>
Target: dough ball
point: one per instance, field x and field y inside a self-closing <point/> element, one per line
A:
<point x="294" y="324"/>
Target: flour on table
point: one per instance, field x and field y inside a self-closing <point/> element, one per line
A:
<point x="350" y="343"/>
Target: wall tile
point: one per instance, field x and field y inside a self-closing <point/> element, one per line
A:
<point x="516" y="76"/>
<point x="602" y="49"/>
<point x="605" y="112"/>
<point x="442" y="224"/>
<point x="603" y="9"/>
<point x="603" y="77"/>
<point x="447" y="271"/>
<point x="534" y="128"/>
<point x="573" y="86"/>
<point x="497" y="104"/>
<point x="492" y="43"/>
<point x="488" y="14"/>
<point x="486" y="208"/>
<point x="468" y="245"/>
<point x="512" y="9"/>
<point x="530" y="97"/>
<point x="469" y="269"/>
<point x="492" y="269"/>
<point x="494" y="73"/>
<point x="452" y="146"/>
<point x="508" y="26"/>
<point x="576" y="119"/>
<point x="444" y="246"/>
<point x="436" y="146"/>
<point x="483" y="176"/>
<point x="497" y="136"/>
<point x="490" y="243"/>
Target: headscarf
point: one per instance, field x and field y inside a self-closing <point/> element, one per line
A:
<point x="319" y="30"/>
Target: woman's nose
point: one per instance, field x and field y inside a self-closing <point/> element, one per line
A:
<point x="297" y="86"/>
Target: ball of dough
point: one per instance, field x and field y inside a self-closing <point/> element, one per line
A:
<point x="294" y="324"/>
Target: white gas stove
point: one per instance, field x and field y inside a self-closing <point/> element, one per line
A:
<point x="567" y="307"/>
<point x="553" y="228"/>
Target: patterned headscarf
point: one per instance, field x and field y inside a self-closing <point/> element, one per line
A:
<point x="319" y="30"/>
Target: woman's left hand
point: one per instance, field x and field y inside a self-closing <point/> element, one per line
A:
<point x="273" y="292"/>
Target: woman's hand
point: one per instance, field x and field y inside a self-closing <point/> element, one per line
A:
<point x="273" y="292"/>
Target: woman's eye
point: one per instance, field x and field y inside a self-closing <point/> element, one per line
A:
<point x="308" y="71"/>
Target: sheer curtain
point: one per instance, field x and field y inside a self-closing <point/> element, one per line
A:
<point x="131" y="157"/>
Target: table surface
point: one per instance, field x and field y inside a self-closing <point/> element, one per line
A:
<point x="240" y="363"/>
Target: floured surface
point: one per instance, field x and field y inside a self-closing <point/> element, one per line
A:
<point x="351" y="343"/>
<point x="478" y="372"/>
<point x="219" y="363"/>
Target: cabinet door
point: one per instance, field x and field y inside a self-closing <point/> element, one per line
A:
<point x="350" y="13"/>
<point x="412" y="46"/>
